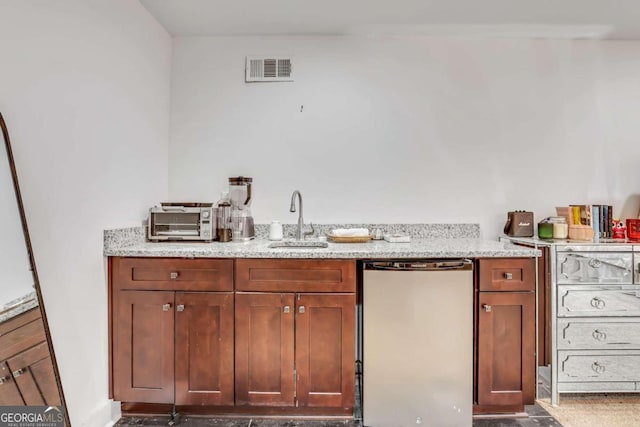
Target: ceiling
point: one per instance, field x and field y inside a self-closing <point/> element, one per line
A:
<point x="610" y="19"/>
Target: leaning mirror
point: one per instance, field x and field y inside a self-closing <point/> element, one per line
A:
<point x="28" y="373"/>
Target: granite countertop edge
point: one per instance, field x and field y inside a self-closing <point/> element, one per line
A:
<point x="417" y="248"/>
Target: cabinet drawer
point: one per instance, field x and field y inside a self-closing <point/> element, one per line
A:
<point x="598" y="334"/>
<point x="594" y="366"/>
<point x="20" y="333"/>
<point x="575" y="301"/>
<point x="594" y="267"/>
<point x="282" y="275"/>
<point x="173" y="274"/>
<point x="507" y="274"/>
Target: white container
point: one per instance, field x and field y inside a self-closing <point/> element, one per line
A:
<point x="275" y="231"/>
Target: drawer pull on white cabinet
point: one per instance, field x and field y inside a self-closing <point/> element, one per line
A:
<point x="598" y="368"/>
<point x="487" y="308"/>
<point x="600" y="336"/>
<point x="597" y="303"/>
<point x="508" y="276"/>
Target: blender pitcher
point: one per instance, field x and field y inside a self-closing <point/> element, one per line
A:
<point x="240" y="196"/>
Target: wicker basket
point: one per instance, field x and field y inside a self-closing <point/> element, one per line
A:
<point x="349" y="239"/>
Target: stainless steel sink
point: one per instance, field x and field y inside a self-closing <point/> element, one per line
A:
<point x="299" y="244"/>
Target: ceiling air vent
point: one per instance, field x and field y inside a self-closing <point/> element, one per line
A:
<point x="260" y="69"/>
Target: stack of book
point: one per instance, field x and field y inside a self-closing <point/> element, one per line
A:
<point x="598" y="217"/>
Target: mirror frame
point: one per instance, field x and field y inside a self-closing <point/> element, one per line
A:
<point x="32" y="262"/>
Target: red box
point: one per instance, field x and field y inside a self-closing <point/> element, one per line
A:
<point x="633" y="229"/>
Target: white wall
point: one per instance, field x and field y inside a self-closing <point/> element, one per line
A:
<point x="84" y="88"/>
<point x="411" y="129"/>
<point x="17" y="280"/>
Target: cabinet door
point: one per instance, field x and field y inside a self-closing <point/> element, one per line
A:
<point x="204" y="348"/>
<point x="506" y="348"/>
<point x="264" y="349"/>
<point x="32" y="371"/>
<point x="9" y="393"/>
<point x="325" y="349"/>
<point x="143" y="346"/>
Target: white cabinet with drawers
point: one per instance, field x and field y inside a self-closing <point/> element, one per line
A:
<point x="596" y="317"/>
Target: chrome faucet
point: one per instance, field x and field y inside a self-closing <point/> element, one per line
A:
<point x="299" y="233"/>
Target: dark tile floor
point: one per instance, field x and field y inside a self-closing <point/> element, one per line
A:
<point x="535" y="416"/>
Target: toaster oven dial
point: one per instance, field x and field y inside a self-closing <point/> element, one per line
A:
<point x="205" y="214"/>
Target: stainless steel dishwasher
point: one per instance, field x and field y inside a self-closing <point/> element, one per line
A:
<point x="418" y="343"/>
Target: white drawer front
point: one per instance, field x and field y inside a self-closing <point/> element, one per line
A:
<point x="593" y="366"/>
<point x="598" y="334"/>
<point x="574" y="301"/>
<point x="594" y="267"/>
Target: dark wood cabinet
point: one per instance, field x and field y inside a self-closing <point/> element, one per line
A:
<point x="248" y="336"/>
<point x="296" y="348"/>
<point x="26" y="369"/>
<point x="325" y="348"/>
<point x="143" y="347"/>
<point x="204" y="348"/>
<point x="172" y="346"/>
<point x="265" y="349"/>
<point x="505" y="335"/>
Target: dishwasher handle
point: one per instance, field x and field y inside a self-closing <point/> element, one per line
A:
<point x="421" y="265"/>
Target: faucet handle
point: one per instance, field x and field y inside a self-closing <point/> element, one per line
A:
<point x="310" y="233"/>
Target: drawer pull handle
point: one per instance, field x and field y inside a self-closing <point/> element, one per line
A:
<point x="508" y="276"/>
<point x="17" y="373"/>
<point x="301" y="309"/>
<point x="598" y="368"/>
<point x="180" y="307"/>
<point x="595" y="263"/>
<point x="286" y="309"/>
<point x="4" y="379"/>
<point x="598" y="303"/>
<point x="487" y="308"/>
<point x="173" y="275"/>
<point x="600" y="336"/>
<point x="166" y="307"/>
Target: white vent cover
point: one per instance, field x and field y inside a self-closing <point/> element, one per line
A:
<point x="261" y="69"/>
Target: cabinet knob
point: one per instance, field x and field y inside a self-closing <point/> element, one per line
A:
<point x="598" y="303"/>
<point x="508" y="276"/>
<point x="180" y="307"/>
<point x="487" y="308"/>
<point x="166" y="307"/>
<point x="17" y="373"/>
<point x="173" y="275"/>
<point x="4" y="380"/>
<point x="301" y="309"/>
<point x="600" y="336"/>
<point x="286" y="309"/>
<point x="598" y="368"/>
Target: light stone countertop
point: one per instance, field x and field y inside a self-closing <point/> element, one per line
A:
<point x="18" y="306"/>
<point x="418" y="248"/>
<point x="536" y="241"/>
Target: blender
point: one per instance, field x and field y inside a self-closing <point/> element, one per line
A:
<point x="242" y="228"/>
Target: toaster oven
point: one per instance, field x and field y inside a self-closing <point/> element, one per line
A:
<point x="182" y="221"/>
